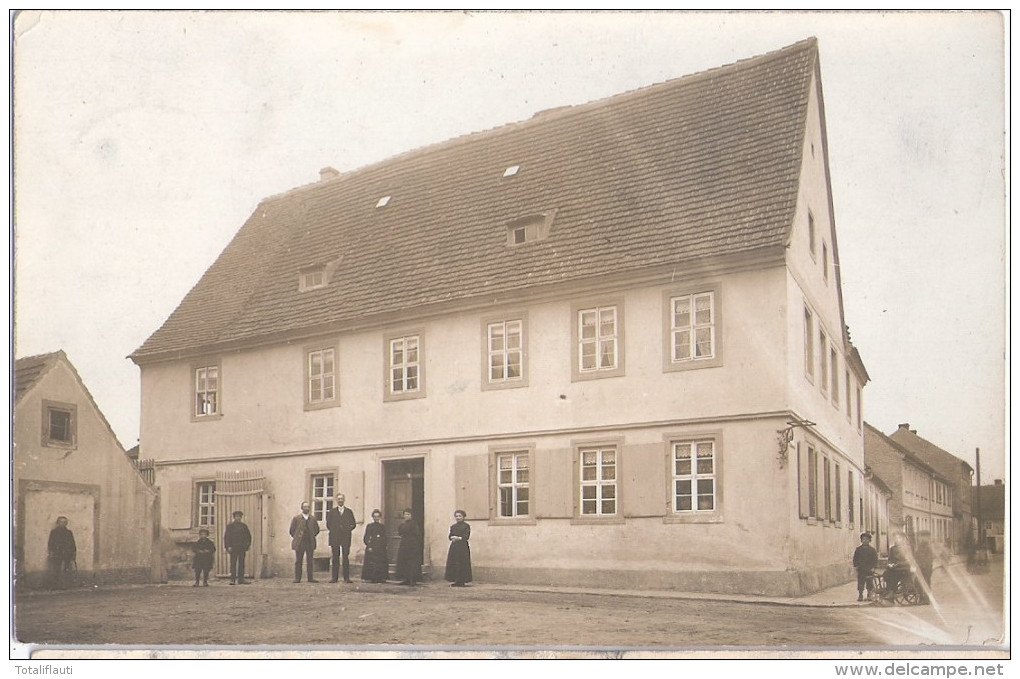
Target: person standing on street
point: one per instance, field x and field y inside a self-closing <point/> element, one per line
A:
<point x="340" y="521"/>
<point x="377" y="564"/>
<point x="202" y="562"/>
<point x="303" y="529"/>
<point x="458" y="559"/>
<point x="925" y="557"/>
<point x="237" y="542"/>
<point x="62" y="552"/>
<point x="865" y="561"/>
<point x="409" y="551"/>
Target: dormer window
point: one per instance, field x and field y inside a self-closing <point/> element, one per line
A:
<point x="312" y="279"/>
<point x="530" y="228"/>
<point x="511" y="171"/>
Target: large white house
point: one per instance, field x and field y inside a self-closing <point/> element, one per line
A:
<point x="612" y="333"/>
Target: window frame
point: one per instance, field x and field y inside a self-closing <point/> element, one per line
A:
<point x="206" y="365"/>
<point x="197" y="503"/>
<point x="488" y="384"/>
<point x="834" y="376"/>
<point x="812" y="477"/>
<point x="600" y="445"/>
<point x="812" y="235"/>
<point x="825" y="262"/>
<point x="809" y="344"/>
<point x="388" y="339"/>
<point x="495" y="453"/>
<point x="848" y="394"/>
<point x="823" y="350"/>
<point x="327" y="500"/>
<point x="71" y="410"/>
<point x="673" y="515"/>
<point x="669" y="363"/>
<point x="306" y="354"/>
<point x="619" y="370"/>
<point x="305" y="282"/>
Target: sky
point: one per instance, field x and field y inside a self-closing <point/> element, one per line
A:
<point x="144" y="140"/>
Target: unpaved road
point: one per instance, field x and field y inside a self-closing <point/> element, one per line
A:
<point x="277" y="613"/>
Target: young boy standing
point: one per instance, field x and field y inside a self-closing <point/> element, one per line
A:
<point x="203" y="559"/>
<point x="865" y="560"/>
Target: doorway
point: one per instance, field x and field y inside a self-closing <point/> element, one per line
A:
<point x="403" y="488"/>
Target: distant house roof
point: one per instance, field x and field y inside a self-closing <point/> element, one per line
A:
<point x="942" y="460"/>
<point x="907" y="455"/>
<point x="702" y="166"/>
<point x="993" y="501"/>
<point x="28" y="371"/>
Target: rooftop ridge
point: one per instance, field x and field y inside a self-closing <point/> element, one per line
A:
<point x="553" y="114"/>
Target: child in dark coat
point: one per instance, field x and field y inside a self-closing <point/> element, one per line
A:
<point x="203" y="560"/>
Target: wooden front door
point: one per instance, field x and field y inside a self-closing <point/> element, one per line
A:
<point x="243" y="490"/>
<point x="404" y="489"/>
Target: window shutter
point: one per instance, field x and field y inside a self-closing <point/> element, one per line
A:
<point x="352" y="485"/>
<point x="554" y="483"/>
<point x="644" y="482"/>
<point x="471" y="477"/>
<point x="802" y="481"/>
<point x="178" y="504"/>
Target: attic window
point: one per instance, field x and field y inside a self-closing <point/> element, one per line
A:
<point x="511" y="171"/>
<point x="529" y="228"/>
<point x="312" y="279"/>
<point x="383" y="202"/>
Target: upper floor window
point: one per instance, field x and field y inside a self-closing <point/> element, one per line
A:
<point x="848" y="392"/>
<point x="823" y="352"/>
<point x="404" y="367"/>
<point x="809" y="344"/>
<point x="694" y="476"/>
<point x="506" y="350"/>
<point x="598" y="466"/>
<point x="693" y="327"/>
<point x="205" y="503"/>
<point x="811" y="233"/>
<point x="513" y="484"/>
<point x="859" y="408"/>
<point x="59" y="424"/>
<point x="825" y="262"/>
<point x="207" y="391"/>
<point x="323" y="492"/>
<point x="311" y="279"/>
<point x="321" y="377"/>
<point x="834" y="373"/>
<point x="598" y="341"/>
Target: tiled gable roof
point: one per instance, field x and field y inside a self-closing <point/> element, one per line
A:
<point x="28" y="371"/>
<point x="703" y="166"/>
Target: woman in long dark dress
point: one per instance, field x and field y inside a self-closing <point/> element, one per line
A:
<point x="409" y="552"/>
<point x="458" y="559"/>
<point x="377" y="563"/>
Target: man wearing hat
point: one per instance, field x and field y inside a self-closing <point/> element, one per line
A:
<point x="203" y="559"/>
<point x="237" y="542"/>
<point x="865" y="561"/>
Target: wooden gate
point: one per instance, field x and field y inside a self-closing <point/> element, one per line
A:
<point x="244" y="490"/>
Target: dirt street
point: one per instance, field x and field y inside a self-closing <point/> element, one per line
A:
<point x="277" y="613"/>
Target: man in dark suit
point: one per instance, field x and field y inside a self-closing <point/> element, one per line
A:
<point x="237" y="542"/>
<point x="303" y="529"/>
<point x="340" y="521"/>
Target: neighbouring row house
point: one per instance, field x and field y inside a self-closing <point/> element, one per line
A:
<point x="612" y="333"/>
<point x="922" y="499"/>
<point x="959" y="475"/>
<point x="68" y="462"/>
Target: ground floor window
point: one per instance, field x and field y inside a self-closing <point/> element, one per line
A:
<point x="205" y="495"/>
<point x="513" y="483"/>
<point x="598" y="481"/>
<point x="694" y="476"/>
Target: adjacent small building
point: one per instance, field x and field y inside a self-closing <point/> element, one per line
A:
<point x="991" y="503"/>
<point x="921" y="498"/>
<point x="67" y="461"/>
